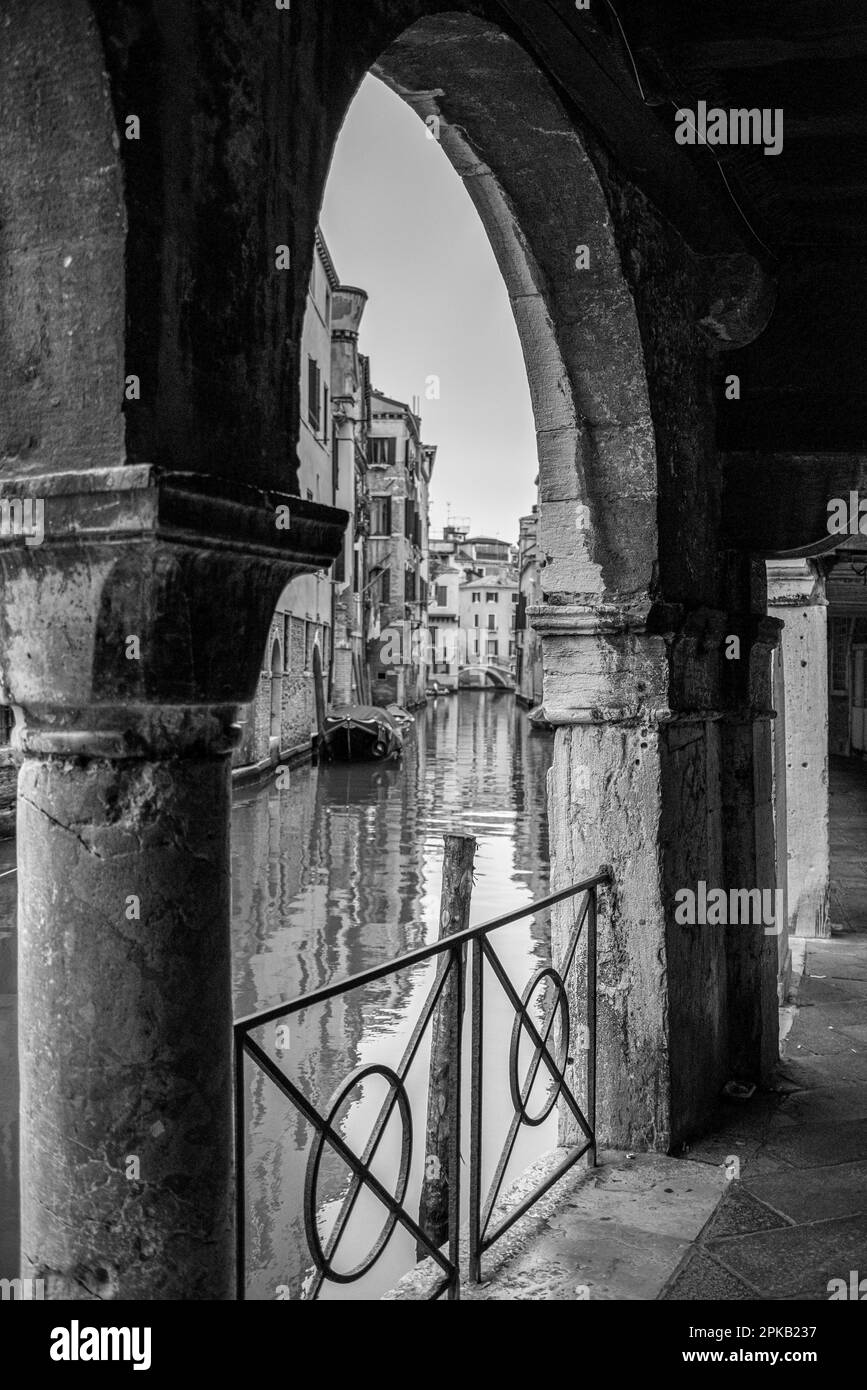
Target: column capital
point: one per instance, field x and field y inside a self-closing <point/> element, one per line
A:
<point x="653" y="665"/>
<point x="137" y="619"/>
<point x="796" y="583"/>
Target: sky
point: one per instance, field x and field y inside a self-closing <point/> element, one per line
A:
<point x="399" y="224"/>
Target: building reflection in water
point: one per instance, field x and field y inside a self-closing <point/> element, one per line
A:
<point x="339" y="872"/>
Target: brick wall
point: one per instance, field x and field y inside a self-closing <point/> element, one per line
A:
<point x="298" y="698"/>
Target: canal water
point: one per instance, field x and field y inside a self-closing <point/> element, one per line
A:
<point x="337" y="872"/>
<point x="341" y="872"/>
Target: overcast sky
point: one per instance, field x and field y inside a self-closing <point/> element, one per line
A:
<point x="400" y="225"/>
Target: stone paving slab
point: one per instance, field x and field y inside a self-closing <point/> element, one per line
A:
<point x="813" y="1145"/>
<point x="703" y="1279"/>
<point x="740" y="1211"/>
<point x="812" y="1070"/>
<point x="795" y="1261"/>
<point x="617" y="1232"/>
<point x="815" y="1194"/>
<point x="826" y="1104"/>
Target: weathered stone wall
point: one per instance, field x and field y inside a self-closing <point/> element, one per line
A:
<point x="297" y="698"/>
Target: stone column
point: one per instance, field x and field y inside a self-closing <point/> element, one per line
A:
<point x="125" y="1005"/>
<point x="127" y="641"/>
<point x="796" y="594"/>
<point x="638" y="782"/>
<point x="605" y="690"/>
<point x="754" y="957"/>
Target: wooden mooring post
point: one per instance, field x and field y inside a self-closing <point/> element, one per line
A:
<point x="440" y="1185"/>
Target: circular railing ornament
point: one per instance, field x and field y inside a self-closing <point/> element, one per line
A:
<point x="311" y="1179"/>
<point x="522" y="1018"/>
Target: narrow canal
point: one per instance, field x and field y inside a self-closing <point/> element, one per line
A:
<point x="342" y="872"/>
<point x="337" y="872"/>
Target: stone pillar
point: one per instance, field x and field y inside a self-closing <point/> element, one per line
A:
<point x="796" y="594"/>
<point x="752" y="955"/>
<point x="127" y="641"/>
<point x="638" y="782"/>
<point x="125" y="1004"/>
<point x="605" y="690"/>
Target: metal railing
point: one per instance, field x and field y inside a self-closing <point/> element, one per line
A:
<point x="483" y="1210"/>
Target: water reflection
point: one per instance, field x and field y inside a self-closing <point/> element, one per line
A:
<point x="340" y="872"/>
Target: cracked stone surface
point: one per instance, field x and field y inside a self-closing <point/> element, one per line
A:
<point x="124" y="887"/>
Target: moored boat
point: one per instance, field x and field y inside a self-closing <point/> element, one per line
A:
<point x="361" y="733"/>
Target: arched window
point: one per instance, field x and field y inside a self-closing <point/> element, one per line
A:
<point x="276" y="690"/>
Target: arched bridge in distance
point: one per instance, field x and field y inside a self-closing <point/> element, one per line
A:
<point x="483" y="677"/>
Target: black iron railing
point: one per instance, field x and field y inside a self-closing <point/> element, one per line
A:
<point x="487" y="1223"/>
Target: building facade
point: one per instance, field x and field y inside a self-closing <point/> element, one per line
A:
<point x="281" y="722"/>
<point x="350" y="397"/>
<point x="447" y="650"/>
<point x="400" y="466"/>
<point x="528" y="659"/>
<point x="487" y="618"/>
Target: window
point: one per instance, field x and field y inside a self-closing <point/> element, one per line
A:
<point x="410" y="586"/>
<point x="492" y="598"/>
<point x="476" y="621"/>
<point x="442" y="596"/>
<point x="839" y="656"/>
<point x="339" y="572"/>
<point x="515" y="596"/>
<point x="325" y="415"/>
<point x="493" y="648"/>
<point x="381" y="450"/>
<point x="492" y="622"/>
<point x="382" y="589"/>
<point x="477" y="598"/>
<point x="380" y="516"/>
<point x="313" y="387"/>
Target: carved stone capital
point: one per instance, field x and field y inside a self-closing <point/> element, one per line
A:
<point x="140" y="618"/>
<point x="601" y="667"/>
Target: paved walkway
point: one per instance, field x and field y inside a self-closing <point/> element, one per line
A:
<point x="648" y="1227"/>
<point x="798" y="1218"/>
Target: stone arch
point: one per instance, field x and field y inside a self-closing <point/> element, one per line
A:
<point x="619" y="320"/>
<point x="539" y="198"/>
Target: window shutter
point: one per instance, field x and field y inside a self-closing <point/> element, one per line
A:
<point x="314" y="378"/>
